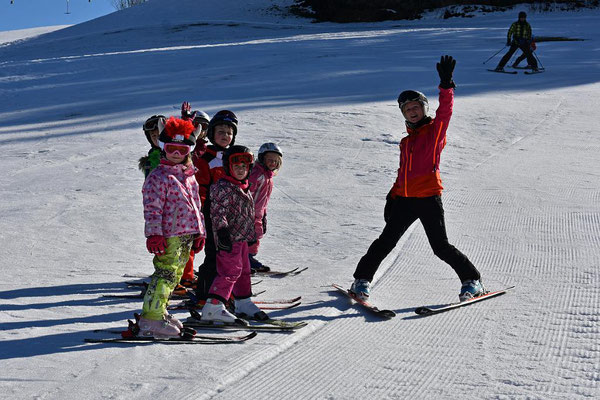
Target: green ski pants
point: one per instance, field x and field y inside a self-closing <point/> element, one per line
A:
<point x="168" y="270"/>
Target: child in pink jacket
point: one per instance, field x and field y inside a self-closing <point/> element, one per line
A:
<point x="174" y="224"/>
<point x="232" y="216"/>
<point x="261" y="186"/>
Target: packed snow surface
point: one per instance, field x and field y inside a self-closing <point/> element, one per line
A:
<point x="520" y="171"/>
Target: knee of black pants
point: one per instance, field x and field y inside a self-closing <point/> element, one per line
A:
<point x="443" y="250"/>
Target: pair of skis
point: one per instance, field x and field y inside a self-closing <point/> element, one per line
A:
<point x="516" y="72"/>
<point x="423" y="310"/>
<point x="195" y="339"/>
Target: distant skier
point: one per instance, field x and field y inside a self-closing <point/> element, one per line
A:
<point x="173" y="224"/>
<point x="519" y="37"/>
<point x="261" y="186"/>
<point x="416" y="194"/>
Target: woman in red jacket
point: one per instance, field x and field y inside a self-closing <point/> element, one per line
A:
<point x="416" y="194"/>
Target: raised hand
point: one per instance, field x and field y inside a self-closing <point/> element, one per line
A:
<point x="445" y="69"/>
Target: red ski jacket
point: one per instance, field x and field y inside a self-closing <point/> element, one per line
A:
<point x="420" y="151"/>
<point x="209" y="168"/>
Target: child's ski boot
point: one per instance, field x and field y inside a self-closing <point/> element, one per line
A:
<point x="160" y="329"/>
<point x="257" y="266"/>
<point x="245" y="308"/>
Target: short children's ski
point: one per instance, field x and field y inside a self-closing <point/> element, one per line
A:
<point x="227" y="339"/>
<point x="368" y="306"/>
<point x="263" y="306"/>
<point x="282" y="301"/>
<point x="186" y="340"/>
<point x="141" y="296"/>
<point x="426" y="310"/>
<point x="501" y="71"/>
<point x="279" y="274"/>
<point x="268" y="325"/>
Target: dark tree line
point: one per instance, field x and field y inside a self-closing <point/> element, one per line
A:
<point x="380" y="10"/>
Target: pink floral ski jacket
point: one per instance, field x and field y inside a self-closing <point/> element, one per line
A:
<point x="172" y="202"/>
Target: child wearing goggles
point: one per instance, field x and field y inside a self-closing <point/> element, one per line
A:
<point x="152" y="128"/>
<point x="174" y="224"/>
<point x="232" y="215"/>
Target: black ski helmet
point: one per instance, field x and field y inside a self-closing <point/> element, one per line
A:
<point x="232" y="152"/>
<point x="152" y="123"/>
<point x="523" y="14"/>
<point x="223" y="117"/>
<point x="413" y="95"/>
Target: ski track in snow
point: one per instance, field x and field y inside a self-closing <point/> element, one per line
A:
<point x="521" y="192"/>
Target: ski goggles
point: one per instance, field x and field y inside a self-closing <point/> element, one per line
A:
<point x="177" y="148"/>
<point x="152" y="123"/>
<point x="241" y="158"/>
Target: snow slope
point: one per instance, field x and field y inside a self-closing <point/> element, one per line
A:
<point x="522" y="191"/>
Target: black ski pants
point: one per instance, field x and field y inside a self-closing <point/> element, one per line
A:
<point x="207" y="271"/>
<point x="399" y="214"/>
<point x="525" y="47"/>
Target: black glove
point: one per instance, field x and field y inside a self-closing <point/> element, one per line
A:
<point x="223" y="240"/>
<point x="264" y="223"/>
<point x="508" y="42"/>
<point x="445" y="68"/>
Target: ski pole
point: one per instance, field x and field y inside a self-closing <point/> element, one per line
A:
<point x="538" y="59"/>
<point x="494" y="54"/>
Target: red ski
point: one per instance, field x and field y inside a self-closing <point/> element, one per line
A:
<point x="430" y="310"/>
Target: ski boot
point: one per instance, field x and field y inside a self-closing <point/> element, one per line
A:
<point x="245" y="308"/>
<point x="160" y="329"/>
<point x="361" y="288"/>
<point x="471" y="289"/>
<point x="257" y="266"/>
<point x="214" y="310"/>
<point x="180" y="290"/>
<point x="173" y="321"/>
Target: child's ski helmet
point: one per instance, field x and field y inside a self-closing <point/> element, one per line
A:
<point x="152" y="123"/>
<point x="200" y="117"/>
<point x="223" y="117"/>
<point x="178" y="131"/>
<point x="268" y="147"/>
<point x="236" y="155"/>
<point x="523" y="14"/>
<point x="412" y="95"/>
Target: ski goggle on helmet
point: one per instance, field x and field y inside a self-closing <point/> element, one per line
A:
<point x="177" y="149"/>
<point x="154" y="122"/>
<point x="412" y="95"/>
<point x="241" y="158"/>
